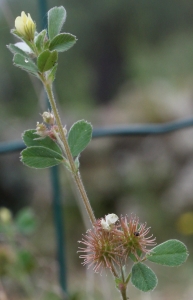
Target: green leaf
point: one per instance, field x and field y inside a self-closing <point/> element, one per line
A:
<point x="25" y="261"/>
<point x="50" y="295"/>
<point x="40" y="157"/>
<point x="16" y="50"/>
<point x="32" y="139"/>
<point x="79" y="136"/>
<point x="56" y="19"/>
<point x="51" y="76"/>
<point x="47" y="60"/>
<point x="143" y="278"/>
<point x="14" y="32"/>
<point x="25" y="64"/>
<point x="26" y="221"/>
<point x="77" y="163"/>
<point x="133" y="257"/>
<point x="118" y="282"/>
<point x="62" y="42"/>
<point x="40" y="40"/>
<point x="170" y="253"/>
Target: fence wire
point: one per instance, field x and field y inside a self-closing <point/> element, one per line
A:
<point x="126" y="131"/>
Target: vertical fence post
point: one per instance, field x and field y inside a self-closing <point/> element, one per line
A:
<point x="57" y="205"/>
<point x="58" y="221"/>
<point x="43" y="11"/>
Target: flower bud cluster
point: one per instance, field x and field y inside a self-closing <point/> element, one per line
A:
<point x="111" y="242"/>
<point x="48" y="118"/>
<point x="41" y="129"/>
<point x="48" y="128"/>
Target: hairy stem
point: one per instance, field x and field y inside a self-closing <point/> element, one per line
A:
<point x="123" y="293"/>
<point x="123" y="285"/>
<point x="114" y="272"/>
<point x="63" y="138"/>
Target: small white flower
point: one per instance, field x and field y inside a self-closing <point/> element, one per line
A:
<point x="111" y="219"/>
<point x="105" y="225"/>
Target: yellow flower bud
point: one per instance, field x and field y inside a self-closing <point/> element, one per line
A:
<point x="25" y="26"/>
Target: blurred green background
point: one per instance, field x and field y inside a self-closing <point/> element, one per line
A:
<point x="133" y="63"/>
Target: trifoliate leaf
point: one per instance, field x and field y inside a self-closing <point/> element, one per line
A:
<point x="24" y="63"/>
<point x="143" y="278"/>
<point x="47" y="60"/>
<point x="40" y="157"/>
<point x="170" y="253"/>
<point x="40" y="40"/>
<point x="62" y="42"/>
<point x="16" y="50"/>
<point x="56" y="19"/>
<point x="79" y="136"/>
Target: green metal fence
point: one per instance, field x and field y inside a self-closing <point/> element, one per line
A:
<point x="127" y="131"/>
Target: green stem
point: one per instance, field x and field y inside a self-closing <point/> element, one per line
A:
<point x="63" y="138"/>
<point x="128" y="278"/>
<point x="114" y="272"/>
<point x="123" y="285"/>
<point x="123" y="293"/>
<point x="122" y="274"/>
